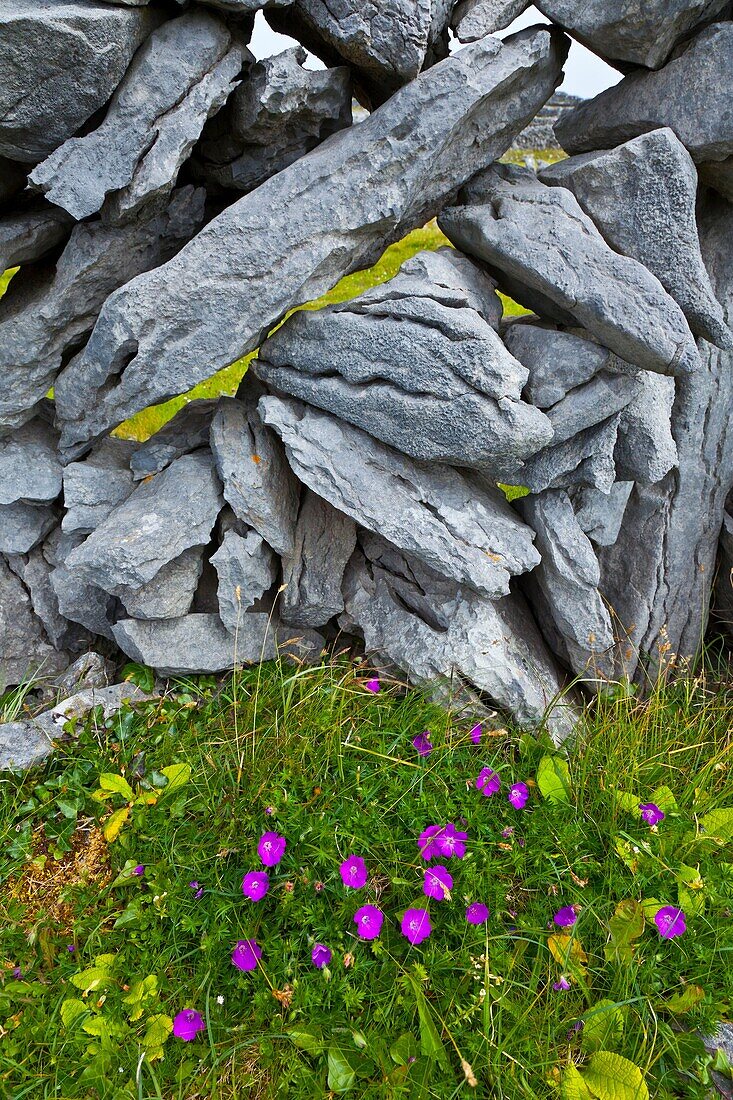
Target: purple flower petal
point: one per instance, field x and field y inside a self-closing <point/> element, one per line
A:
<point x="670" y="922"/>
<point x="422" y="744"/>
<point x="255" y="885"/>
<point x="187" y="1024"/>
<point x="354" y="872"/>
<point x="488" y="782"/>
<point x="477" y="913"/>
<point x="321" y="955"/>
<point x="416" y="925"/>
<point x="139" y="870"/>
<point x="563" y="985"/>
<point x="373" y="685"/>
<point x="427" y="842"/>
<point x="565" y="917"/>
<point x="476" y="734"/>
<point x="651" y="813"/>
<point x="518" y="795"/>
<point x="246" y="954"/>
<point x="437" y="883"/>
<point x="271" y="848"/>
<point x="450" y="841"/>
<point x="369" y="921"/>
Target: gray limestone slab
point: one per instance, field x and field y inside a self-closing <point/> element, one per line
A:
<point x="324" y="541"/>
<point x="246" y="567"/>
<point x="472" y="19"/>
<point x="28" y="235"/>
<point x="195" y="643"/>
<point x="171" y="591"/>
<point x="35" y="573"/>
<point x="94" y="487"/>
<point x="24" y="648"/>
<point x="29" y="466"/>
<point x="584" y="459"/>
<point x="645" y="448"/>
<point x="600" y="514"/>
<point x="23" y="526"/>
<point x="591" y="403"/>
<point x="188" y="430"/>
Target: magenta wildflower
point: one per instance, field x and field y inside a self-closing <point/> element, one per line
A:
<point x="651" y="813"/>
<point x="139" y="870"/>
<point x="269" y="810"/>
<point x="565" y="917"/>
<point x="70" y="948"/>
<point x="427" y="842"/>
<point x="271" y="848"/>
<point x="670" y="922"/>
<point x="476" y="734"/>
<point x="416" y="925"/>
<point x="422" y="743"/>
<point x="187" y="1024"/>
<point x="321" y="955"/>
<point x="246" y="954"/>
<point x="518" y="795"/>
<point x="450" y="841"/>
<point x="488" y="782"/>
<point x="255" y="885"/>
<point x="369" y="921"/>
<point x="373" y="685"/>
<point x="477" y="913"/>
<point x="437" y="883"/>
<point x="509" y="831"/>
<point x="198" y="891"/>
<point x="354" y="872"/>
<point x="17" y="973"/>
<point x="563" y="985"/>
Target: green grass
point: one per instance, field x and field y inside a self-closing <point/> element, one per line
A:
<point x="337" y="767"/>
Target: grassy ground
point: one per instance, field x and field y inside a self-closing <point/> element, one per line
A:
<point x="182" y="791"/>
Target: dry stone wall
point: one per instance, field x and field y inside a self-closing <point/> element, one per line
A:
<point x="169" y="200"/>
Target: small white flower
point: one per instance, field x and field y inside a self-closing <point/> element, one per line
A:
<point x="220" y="1000"/>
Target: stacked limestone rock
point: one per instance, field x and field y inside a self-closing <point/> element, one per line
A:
<point x="169" y="200"/>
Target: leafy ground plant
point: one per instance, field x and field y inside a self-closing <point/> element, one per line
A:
<point x="305" y="883"/>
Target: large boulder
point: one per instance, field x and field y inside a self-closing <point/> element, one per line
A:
<point x="290" y="240"/>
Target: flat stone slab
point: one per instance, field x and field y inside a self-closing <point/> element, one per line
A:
<point x="195" y="643"/>
<point x="35" y="573"/>
<point x="29" y="466"/>
<point x="587" y="458"/>
<point x="324" y="541"/>
<point x="600" y="515"/>
<point x="188" y="430"/>
<point x="24" y="648"/>
<point x="472" y="19"/>
<point x="171" y="591"/>
<point x="246" y="567"/>
<point x="94" y="487"/>
<point x="23" y="526"/>
<point x="645" y="448"/>
<point x="29" y="234"/>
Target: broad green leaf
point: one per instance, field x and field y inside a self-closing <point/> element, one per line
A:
<point x="690" y="891"/>
<point x="126" y="876"/>
<point x="72" y="1011"/>
<point x="430" y="1041"/>
<point x="611" y="1077"/>
<point x="306" y="1037"/>
<point x="141" y="675"/>
<point x="404" y="1049"/>
<point x="626" y="853"/>
<point x="603" y="1026"/>
<point x="627" y="801"/>
<point x="117" y="784"/>
<point x="625" y="926"/>
<point x="651" y="907"/>
<point x="572" y="1085"/>
<point x="95" y="977"/>
<point x="553" y="779"/>
<point x="113" y="825"/>
<point x="159" y="1028"/>
<point x="665" y="799"/>
<point x="689" y="998"/>
<point x="140" y="991"/>
<point x="177" y="775"/>
<point x="568" y="952"/>
<point x="341" y="1072"/>
<point x="718" y="824"/>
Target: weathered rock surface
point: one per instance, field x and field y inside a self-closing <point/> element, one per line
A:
<point x="600" y="514"/>
<point x="563" y="589"/>
<point x="83" y="603"/>
<point x="46" y="315"/>
<point x="24" y="648"/>
<point x="278" y="114"/>
<point x="61" y="61"/>
<point x="35" y="573"/>
<point x="432" y="511"/>
<point x="645" y="448"/>
<point x="447" y="636"/>
<point x="595" y="401"/>
<point x="163" y="517"/>
<point x="94" y="487"/>
<point x="324" y="541"/>
<point x="195" y="643"/>
<point x="246" y="567"/>
<point x="472" y="19"/>
<point x="91" y="670"/>
<point x="688" y="95"/>
<point x="29" y="467"/>
<point x="642" y="32"/>
<point x="171" y="591"/>
<point x="250" y="461"/>
<point x="29" y="234"/>
<point x="432" y="380"/>
<point x="445" y="276"/>
<point x="331" y="212"/>
<point x="184" y="72"/>
<point x="642" y="197"/>
<point x="23" y="526"/>
<point x="585" y="459"/>
<point x="188" y="430"/>
<point x="724" y="577"/>
<point x="541" y="235"/>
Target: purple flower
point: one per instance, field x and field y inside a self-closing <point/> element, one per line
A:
<point x="450" y="841"/>
<point x="255" y="885"/>
<point x="476" y="734"/>
<point x="372" y="685"/>
<point x="565" y="917"/>
<point x="509" y="831"/>
<point x="70" y="948"/>
<point x="17" y="973"/>
<point x="269" y="810"/>
<point x="437" y="882"/>
<point x="354" y="872"/>
<point x="488" y="782"/>
<point x="416" y="925"/>
<point x="369" y="921"/>
<point x="427" y="842"/>
<point x="651" y="813"/>
<point x="518" y="795"/>
<point x="321" y="955"/>
<point x="139" y="870"/>
<point x="477" y="913"/>
<point x="563" y="985"/>
<point x="187" y="1024"/>
<point x="422" y="744"/>
<point x="246" y="954"/>
<point x="670" y="922"/>
<point x="271" y="848"/>
<point x="198" y="891"/>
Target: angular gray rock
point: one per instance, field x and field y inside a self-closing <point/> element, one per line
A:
<point x="24" y="648"/>
<point x="435" y="512"/>
<point x="563" y="590"/>
<point x="47" y="314"/>
<point x="28" y="235"/>
<point x="557" y="361"/>
<point x="184" y="72"/>
<point x="161" y="518"/>
<point x="642" y="197"/>
<point x="642" y="32"/>
<point x="83" y="603"/>
<point x="188" y="430"/>
<point x="195" y="643"/>
<point x="35" y="573"/>
<point x="431" y="380"/>
<point x="246" y="567"/>
<point x="29" y="467"/>
<point x="688" y="95"/>
<point x="61" y="62"/>
<point x="595" y="401"/>
<point x="171" y="591"/>
<point x="658" y="576"/>
<point x="333" y="211"/>
<point x="94" y="487"/>
<point x="23" y="526"/>
<point x="541" y="235"/>
<point x="584" y="459"/>
<point x="645" y="448"/>
<point x="447" y="637"/>
<point x="324" y="541"/>
<point x="446" y="276"/>
<point x="600" y="514"/>
<point x="277" y="114"/>
<point x="472" y="19"/>
<point x="91" y="670"/>
<point x="250" y="461"/>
